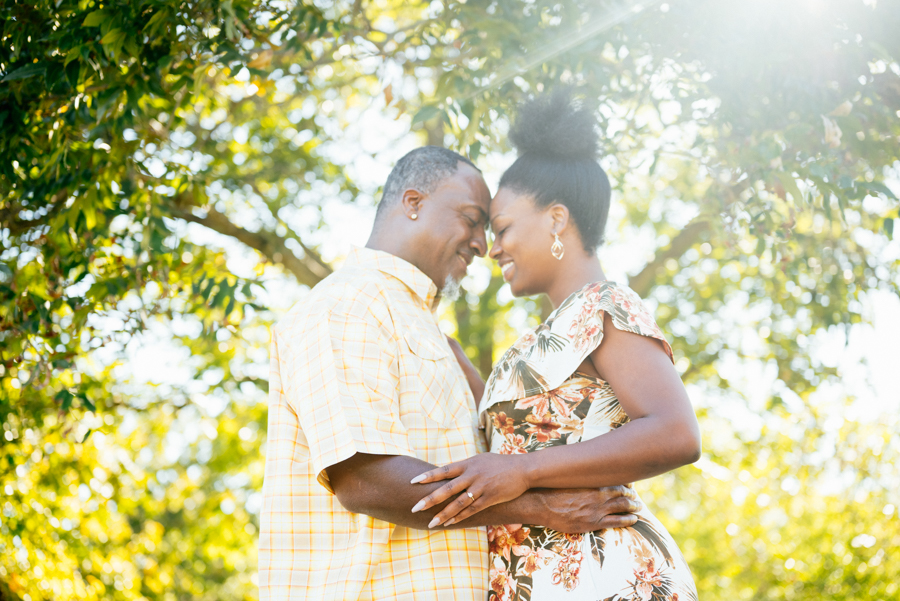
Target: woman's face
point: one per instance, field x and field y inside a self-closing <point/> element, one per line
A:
<point x="523" y="234"/>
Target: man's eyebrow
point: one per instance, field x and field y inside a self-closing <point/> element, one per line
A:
<point x="482" y="214"/>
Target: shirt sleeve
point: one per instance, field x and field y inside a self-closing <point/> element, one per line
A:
<point x="343" y="383"/>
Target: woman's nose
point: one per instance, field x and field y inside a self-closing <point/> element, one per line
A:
<point x="496" y="249"/>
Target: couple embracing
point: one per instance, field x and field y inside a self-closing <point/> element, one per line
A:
<point x="394" y="472"/>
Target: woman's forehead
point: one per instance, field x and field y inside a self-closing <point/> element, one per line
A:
<point x="504" y="200"/>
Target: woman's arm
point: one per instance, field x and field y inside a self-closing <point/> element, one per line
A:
<point x="662" y="435"/>
<point x="378" y="486"/>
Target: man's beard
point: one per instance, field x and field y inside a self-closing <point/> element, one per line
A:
<point x="450" y="291"/>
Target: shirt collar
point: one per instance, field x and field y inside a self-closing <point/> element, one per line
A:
<point x="411" y="276"/>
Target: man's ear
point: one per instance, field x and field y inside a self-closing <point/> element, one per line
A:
<point x="411" y="202"/>
<point x="559" y="215"/>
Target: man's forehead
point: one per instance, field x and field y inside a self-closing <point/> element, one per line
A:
<point x="469" y="190"/>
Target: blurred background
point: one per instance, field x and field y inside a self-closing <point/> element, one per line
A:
<point x="176" y="174"/>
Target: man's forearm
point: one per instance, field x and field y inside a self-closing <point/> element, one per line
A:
<point x="378" y="486"/>
<point x="524" y="510"/>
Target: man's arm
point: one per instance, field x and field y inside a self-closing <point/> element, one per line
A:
<point x="378" y="486"/>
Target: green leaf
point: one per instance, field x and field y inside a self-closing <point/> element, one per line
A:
<point x="156" y="22"/>
<point x="840" y="200"/>
<point x="818" y="170"/>
<point x="889" y="227"/>
<point x="426" y="113"/>
<point x="95" y="19"/>
<point x="468" y="107"/>
<point x="87" y="403"/>
<point x="877" y="187"/>
<point x="790" y="184"/>
<point x="64" y="398"/>
<point x="114" y="36"/>
<point x="474" y="151"/>
<point x="72" y="54"/>
<point x="133" y="48"/>
<point x="25" y="72"/>
<point x="90" y="216"/>
<point x="769" y="150"/>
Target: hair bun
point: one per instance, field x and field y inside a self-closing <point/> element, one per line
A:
<point x="552" y="125"/>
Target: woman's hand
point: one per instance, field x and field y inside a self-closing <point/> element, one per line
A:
<point x="478" y="482"/>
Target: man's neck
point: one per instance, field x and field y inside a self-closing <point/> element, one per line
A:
<point x="390" y="245"/>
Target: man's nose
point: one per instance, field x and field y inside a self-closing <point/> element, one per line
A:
<point x="479" y="243"/>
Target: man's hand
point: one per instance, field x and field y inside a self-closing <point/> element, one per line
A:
<point x="578" y="510"/>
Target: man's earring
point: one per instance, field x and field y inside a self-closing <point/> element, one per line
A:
<point x="414" y="216"/>
<point x="557" y="249"/>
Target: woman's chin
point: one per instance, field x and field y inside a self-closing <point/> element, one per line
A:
<point x="518" y="291"/>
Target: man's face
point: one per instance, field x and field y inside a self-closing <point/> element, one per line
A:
<point x="452" y="220"/>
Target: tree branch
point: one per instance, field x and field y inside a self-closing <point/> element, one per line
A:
<point x="309" y="270"/>
<point x="643" y="281"/>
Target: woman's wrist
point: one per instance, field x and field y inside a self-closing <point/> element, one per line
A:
<point x="524" y="465"/>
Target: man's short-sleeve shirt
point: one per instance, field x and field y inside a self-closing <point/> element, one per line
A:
<point x="361" y="366"/>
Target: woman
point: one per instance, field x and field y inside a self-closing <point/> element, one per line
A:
<point x="593" y="388"/>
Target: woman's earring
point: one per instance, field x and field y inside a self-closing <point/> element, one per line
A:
<point x="557" y="249"/>
<point x="414" y="216"/>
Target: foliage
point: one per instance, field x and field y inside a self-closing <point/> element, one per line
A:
<point x="151" y="149"/>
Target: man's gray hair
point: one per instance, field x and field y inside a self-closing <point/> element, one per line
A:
<point x="423" y="169"/>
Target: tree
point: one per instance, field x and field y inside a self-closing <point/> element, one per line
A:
<point x="146" y="144"/>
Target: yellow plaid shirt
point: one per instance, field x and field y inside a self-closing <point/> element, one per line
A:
<point x="360" y="366"/>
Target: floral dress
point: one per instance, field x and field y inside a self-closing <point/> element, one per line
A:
<point x="535" y="399"/>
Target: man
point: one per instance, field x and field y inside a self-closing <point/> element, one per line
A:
<point x="365" y="394"/>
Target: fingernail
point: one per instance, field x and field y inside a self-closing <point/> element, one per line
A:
<point x="417" y="479"/>
<point x="418" y="506"/>
<point x="436" y="521"/>
<point x="450" y="521"/>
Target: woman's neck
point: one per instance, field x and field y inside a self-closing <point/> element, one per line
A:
<point x="574" y="275"/>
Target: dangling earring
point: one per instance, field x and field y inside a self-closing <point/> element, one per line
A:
<point x="557" y="249"/>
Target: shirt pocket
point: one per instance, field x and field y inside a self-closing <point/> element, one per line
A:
<point x="428" y="383"/>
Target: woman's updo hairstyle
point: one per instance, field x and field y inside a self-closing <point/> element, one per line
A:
<point x="557" y="143"/>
